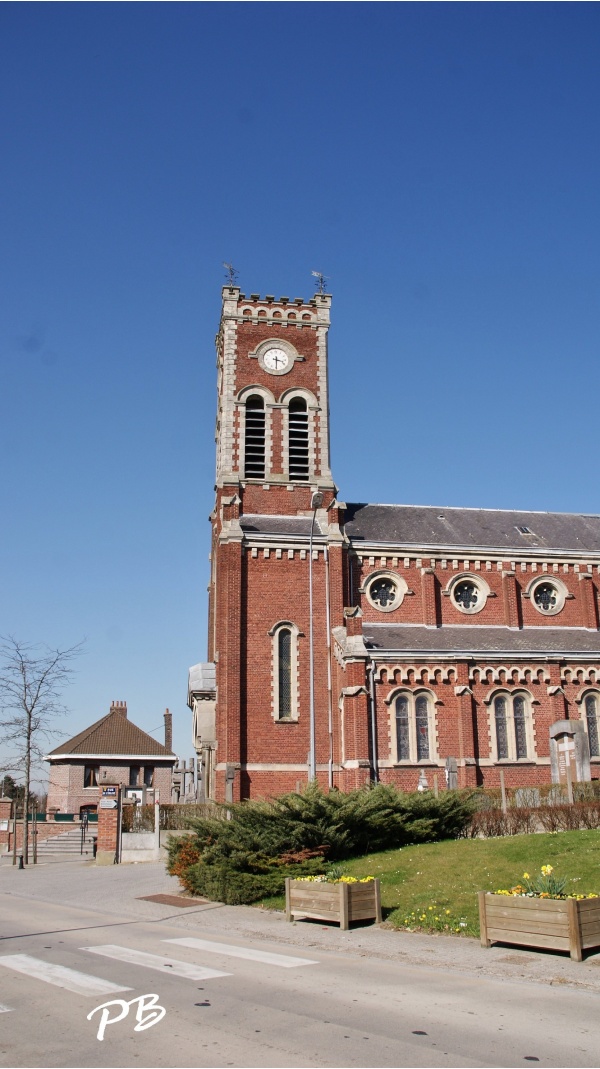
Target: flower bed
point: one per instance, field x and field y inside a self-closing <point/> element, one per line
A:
<point x="537" y="913"/>
<point x="340" y="901"/>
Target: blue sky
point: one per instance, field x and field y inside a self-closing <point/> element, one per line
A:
<point x="440" y="162"/>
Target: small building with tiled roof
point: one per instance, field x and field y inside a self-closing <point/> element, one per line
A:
<point x="112" y="750"/>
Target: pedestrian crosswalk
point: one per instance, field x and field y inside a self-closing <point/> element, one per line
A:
<point x="154" y="961"/>
<point x="77" y="982"/>
<point x="86" y="984"/>
<point x="284" y="961"/>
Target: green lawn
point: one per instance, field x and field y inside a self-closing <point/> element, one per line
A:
<point x="439" y="881"/>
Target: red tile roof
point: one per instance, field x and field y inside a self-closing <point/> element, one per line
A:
<point x="113" y="734"/>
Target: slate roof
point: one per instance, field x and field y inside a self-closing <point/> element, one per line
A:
<point x="298" y="526"/>
<point x="430" y="525"/>
<point x="447" y="528"/>
<point x="113" y="734"/>
<point x="474" y="639"/>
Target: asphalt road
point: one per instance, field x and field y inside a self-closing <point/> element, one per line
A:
<point x="231" y="1000"/>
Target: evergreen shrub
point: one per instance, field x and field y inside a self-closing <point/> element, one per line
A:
<point x="249" y="856"/>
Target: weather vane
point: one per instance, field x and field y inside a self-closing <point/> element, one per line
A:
<point x="321" y="280"/>
<point x="232" y="274"/>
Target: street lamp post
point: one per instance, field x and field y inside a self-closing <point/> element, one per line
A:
<point x="316" y="502"/>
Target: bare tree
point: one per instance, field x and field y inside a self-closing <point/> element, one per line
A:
<point x="31" y="681"/>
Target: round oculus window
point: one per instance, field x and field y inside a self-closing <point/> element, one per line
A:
<point x="466" y="595"/>
<point x="385" y="591"/>
<point x="546" y="598"/>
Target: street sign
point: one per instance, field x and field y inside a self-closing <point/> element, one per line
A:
<point x="108" y="803"/>
<point x="109" y="790"/>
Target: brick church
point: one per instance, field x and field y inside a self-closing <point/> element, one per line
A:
<point x="355" y="643"/>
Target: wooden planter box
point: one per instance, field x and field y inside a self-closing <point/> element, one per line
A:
<point x="554" y="924"/>
<point x="338" y="902"/>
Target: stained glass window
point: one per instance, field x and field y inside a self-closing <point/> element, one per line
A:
<point x="402" y="728"/>
<point x="422" y="721"/>
<point x="591" y="716"/>
<point x="520" y="729"/>
<point x="510" y="716"/>
<point x="466" y="594"/>
<point x="284" y="650"/>
<point x="545" y="596"/>
<point x="383" y="592"/>
<point x="412" y="727"/>
<point x="501" y="732"/>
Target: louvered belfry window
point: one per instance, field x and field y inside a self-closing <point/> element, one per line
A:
<point x="284" y="652"/>
<point x="254" y="450"/>
<point x="298" y="440"/>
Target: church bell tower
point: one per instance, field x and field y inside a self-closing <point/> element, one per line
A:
<point x="250" y="700"/>
<point x="273" y="408"/>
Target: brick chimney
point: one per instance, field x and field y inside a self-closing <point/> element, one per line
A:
<point x="168" y="730"/>
<point x="119" y="707"/>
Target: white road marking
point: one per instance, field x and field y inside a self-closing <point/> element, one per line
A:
<point x="5" y="1009"/>
<point x="172" y="966"/>
<point x="78" y="982"/>
<point x="285" y="961"/>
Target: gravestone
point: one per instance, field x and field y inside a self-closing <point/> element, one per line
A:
<point x="569" y="749"/>
<point x="451" y="773"/>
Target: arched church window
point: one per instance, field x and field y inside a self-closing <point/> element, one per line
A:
<point x="284" y="641"/>
<point x="422" y="726"/>
<point x="413" y="714"/>
<point x="591" y="723"/>
<point x="501" y="730"/>
<point x="284" y="637"/>
<point x="512" y="727"/>
<point x="298" y="440"/>
<point x="254" y="445"/>
<point x="520" y="727"/>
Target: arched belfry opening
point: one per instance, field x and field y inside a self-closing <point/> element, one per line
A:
<point x="298" y="440"/>
<point x="254" y="444"/>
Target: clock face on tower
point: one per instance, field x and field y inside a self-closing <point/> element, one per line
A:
<point x="275" y="359"/>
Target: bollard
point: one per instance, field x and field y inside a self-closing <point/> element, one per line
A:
<point x="21" y="865"/>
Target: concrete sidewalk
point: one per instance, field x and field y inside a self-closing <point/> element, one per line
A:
<point x="119" y="890"/>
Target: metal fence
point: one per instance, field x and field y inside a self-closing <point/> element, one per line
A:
<point x="548" y="794"/>
<point x="172" y="817"/>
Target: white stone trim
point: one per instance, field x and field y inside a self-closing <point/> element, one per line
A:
<point x="228" y="358"/>
<point x="580" y="702"/>
<point x="87" y="757"/>
<point x="323" y="418"/>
